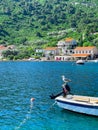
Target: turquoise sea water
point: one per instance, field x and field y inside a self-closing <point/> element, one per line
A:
<point x="20" y="81"/>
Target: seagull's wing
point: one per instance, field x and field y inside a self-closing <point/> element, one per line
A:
<point x="65" y="79"/>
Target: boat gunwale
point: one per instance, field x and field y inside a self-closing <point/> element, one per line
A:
<point x="71" y="101"/>
<point x="93" y="106"/>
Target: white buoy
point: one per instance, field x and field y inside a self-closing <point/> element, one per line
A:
<point x="27" y="115"/>
<point x="32" y="99"/>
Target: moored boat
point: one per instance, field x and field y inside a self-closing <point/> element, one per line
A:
<point x="76" y="103"/>
<point x="80" y="62"/>
<point x="81" y="104"/>
<point x="96" y="60"/>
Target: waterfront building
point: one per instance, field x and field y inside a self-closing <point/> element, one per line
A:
<point x="66" y="46"/>
<point x="66" y="49"/>
<point x="2" y="48"/>
<point x="50" y="52"/>
<point x="89" y="52"/>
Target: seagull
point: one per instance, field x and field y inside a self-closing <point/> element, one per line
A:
<point x="65" y="79"/>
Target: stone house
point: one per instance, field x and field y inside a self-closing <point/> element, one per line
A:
<point x="50" y="52"/>
<point x="89" y="52"/>
<point x="66" y="46"/>
<point x="5" y="48"/>
<point x="2" y="48"/>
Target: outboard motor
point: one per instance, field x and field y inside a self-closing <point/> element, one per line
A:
<point x="66" y="88"/>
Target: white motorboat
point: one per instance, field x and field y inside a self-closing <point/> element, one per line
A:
<point x="96" y="61"/>
<point x="76" y="103"/>
<point x="81" y="104"/>
<point x="80" y="62"/>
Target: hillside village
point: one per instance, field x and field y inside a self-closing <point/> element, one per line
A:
<point x="66" y="50"/>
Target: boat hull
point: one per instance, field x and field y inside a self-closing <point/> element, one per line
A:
<point x="85" y="108"/>
<point x="81" y="62"/>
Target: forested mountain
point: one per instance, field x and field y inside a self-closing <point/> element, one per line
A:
<point x="44" y="22"/>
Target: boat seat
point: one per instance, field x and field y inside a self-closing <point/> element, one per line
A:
<point x="86" y="99"/>
<point x="94" y="101"/>
<point x="82" y="99"/>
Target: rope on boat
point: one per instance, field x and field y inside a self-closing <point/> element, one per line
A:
<point x="29" y="113"/>
<point x="27" y="116"/>
<point x="51" y="106"/>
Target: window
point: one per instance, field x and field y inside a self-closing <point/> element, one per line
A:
<point x="86" y="52"/>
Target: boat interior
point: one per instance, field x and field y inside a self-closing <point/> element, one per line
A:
<point x="87" y="99"/>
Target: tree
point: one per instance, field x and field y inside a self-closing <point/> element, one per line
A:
<point x="38" y="34"/>
<point x="10" y="54"/>
<point x="87" y="44"/>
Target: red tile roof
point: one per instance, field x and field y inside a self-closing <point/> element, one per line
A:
<point x="50" y="48"/>
<point x="84" y="48"/>
<point x="80" y="55"/>
<point x="68" y="39"/>
<point x="2" y="47"/>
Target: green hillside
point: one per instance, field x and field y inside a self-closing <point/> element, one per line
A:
<point x="43" y="22"/>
